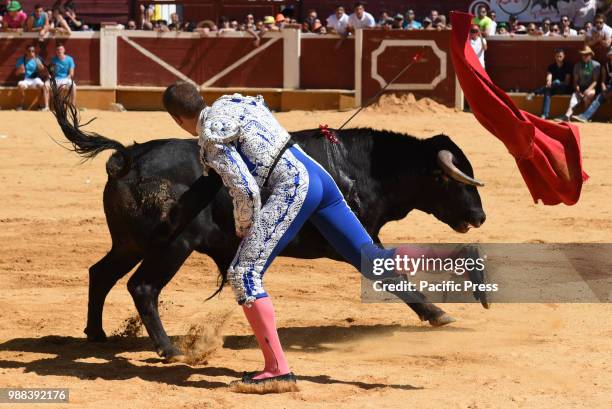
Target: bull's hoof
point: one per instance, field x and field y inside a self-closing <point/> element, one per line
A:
<point x="442" y="320"/>
<point x="96" y="336"/>
<point x="172" y="354"/>
<point x="175" y="358"/>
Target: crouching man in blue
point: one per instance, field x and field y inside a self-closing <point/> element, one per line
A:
<point x="241" y="140"/>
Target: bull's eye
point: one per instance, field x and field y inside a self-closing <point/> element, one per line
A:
<point x="440" y="176"/>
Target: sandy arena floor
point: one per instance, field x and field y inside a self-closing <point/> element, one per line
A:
<point x="347" y="354"/>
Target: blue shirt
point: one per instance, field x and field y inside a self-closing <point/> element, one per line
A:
<point x="62" y="68"/>
<point x="31" y="66"/>
<point x="415" y="25"/>
<point x="39" y="21"/>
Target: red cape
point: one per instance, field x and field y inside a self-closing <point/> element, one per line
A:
<point x="547" y="154"/>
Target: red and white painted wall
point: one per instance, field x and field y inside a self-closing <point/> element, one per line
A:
<point x="289" y="60"/>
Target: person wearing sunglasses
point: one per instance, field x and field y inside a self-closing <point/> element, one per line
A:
<point x="30" y="66"/>
<point x="601" y="33"/>
<point x="566" y="27"/>
<point x="479" y="44"/>
<point x="532" y="30"/>
<point x="555" y="30"/>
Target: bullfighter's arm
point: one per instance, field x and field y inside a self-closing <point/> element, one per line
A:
<point x="226" y="161"/>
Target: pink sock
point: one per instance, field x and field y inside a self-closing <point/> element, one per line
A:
<point x="263" y="322"/>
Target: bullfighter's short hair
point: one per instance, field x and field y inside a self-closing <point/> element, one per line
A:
<point x="182" y="99"/>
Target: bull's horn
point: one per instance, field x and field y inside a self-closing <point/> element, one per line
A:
<point x="445" y="160"/>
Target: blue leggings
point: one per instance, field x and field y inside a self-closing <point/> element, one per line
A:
<point x="326" y="208"/>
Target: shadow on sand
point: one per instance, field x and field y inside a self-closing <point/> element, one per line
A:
<point x="106" y="362"/>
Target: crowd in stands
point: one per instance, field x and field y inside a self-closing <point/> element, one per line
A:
<point x="342" y="22"/>
<point x="60" y="19"/>
<point x="588" y="81"/>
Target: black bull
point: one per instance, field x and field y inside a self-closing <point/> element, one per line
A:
<point x="159" y="208"/>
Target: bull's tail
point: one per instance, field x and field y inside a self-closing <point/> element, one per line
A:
<point x="87" y="144"/>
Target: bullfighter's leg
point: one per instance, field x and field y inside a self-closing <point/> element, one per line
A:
<point x="102" y="277"/>
<point x="292" y="201"/>
<point x="145" y="285"/>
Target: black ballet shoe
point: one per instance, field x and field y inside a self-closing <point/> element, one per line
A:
<point x="274" y="384"/>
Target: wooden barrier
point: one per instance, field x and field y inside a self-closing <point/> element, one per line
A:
<point x="151" y="59"/>
<point x="327" y="62"/>
<point x="384" y="54"/>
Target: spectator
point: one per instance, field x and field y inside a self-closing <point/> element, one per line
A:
<point x="588" y="27"/>
<point x="502" y="29"/>
<point x="440" y="22"/>
<point x="398" y="21"/>
<point x="513" y="24"/>
<point x="566" y="27"/>
<point x="249" y="21"/>
<point x="606" y="92"/>
<point x="484" y="22"/>
<point x="532" y="30"/>
<point x="338" y="22"/>
<point x="131" y="25"/>
<point x="555" y="30"/>
<point x="478" y="43"/>
<point x="410" y="23"/>
<point x="433" y="14"/>
<point x="224" y="25"/>
<point x="206" y="26"/>
<point x="30" y="66"/>
<point x="175" y="23"/>
<point x="601" y="33"/>
<point x="384" y="17"/>
<point x="493" y="17"/>
<point x="73" y="22"/>
<point x="520" y="29"/>
<point x="586" y="75"/>
<point x="14" y="20"/>
<point x="360" y="18"/>
<point x="427" y="24"/>
<point x="318" y="27"/>
<point x="38" y="21"/>
<point x="388" y="24"/>
<point x="63" y="68"/>
<point x="279" y="21"/>
<point x="310" y="19"/>
<point x="58" y="23"/>
<point x="558" y="81"/>
<point x="545" y="30"/>
<point x="269" y="24"/>
<point x="160" y="26"/>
